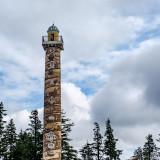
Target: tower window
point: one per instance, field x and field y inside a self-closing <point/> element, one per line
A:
<point x="51" y="118"/>
<point x="51" y="56"/>
<point x="50" y="136"/>
<point x="51" y="100"/>
<point x="52" y="37"/>
<point x="47" y="94"/>
<point x="51" y="64"/>
<point x="51" y="145"/>
<point x="52" y="81"/>
<point x="52" y="50"/>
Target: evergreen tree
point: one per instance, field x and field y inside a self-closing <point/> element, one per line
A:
<point x="35" y="131"/>
<point x="10" y="137"/>
<point x="150" y="150"/>
<point x="110" y="144"/>
<point x="23" y="149"/>
<point x="138" y="154"/>
<point x="68" y="152"/>
<point x="158" y="149"/>
<point x="97" y="144"/>
<point x="3" y="147"/>
<point x="87" y="152"/>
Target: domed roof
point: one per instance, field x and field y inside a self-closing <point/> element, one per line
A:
<point x="53" y="28"/>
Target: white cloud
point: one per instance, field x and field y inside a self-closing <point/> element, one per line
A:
<point x="135" y="7"/>
<point x="75" y="103"/>
<point x="21" y="119"/>
<point x="93" y="32"/>
<point x="21" y="76"/>
<point x="76" y="106"/>
<point x="131" y="97"/>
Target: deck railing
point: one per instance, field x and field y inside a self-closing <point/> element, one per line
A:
<point x="52" y="38"/>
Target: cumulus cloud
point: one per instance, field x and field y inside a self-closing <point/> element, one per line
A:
<point x="135" y="7"/>
<point x="110" y="51"/>
<point x="74" y="103"/>
<point x="91" y="30"/>
<point x="131" y="98"/>
<point x="20" y="75"/>
<point x="21" y="119"/>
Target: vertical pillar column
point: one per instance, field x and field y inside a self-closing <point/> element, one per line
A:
<point x="52" y="105"/>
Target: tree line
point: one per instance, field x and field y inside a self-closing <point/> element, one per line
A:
<point x="149" y="151"/>
<point x="28" y="144"/>
<point x="102" y="148"/>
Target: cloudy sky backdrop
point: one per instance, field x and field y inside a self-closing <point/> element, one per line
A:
<point x="110" y="64"/>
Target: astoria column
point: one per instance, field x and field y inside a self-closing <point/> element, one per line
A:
<point x="52" y="44"/>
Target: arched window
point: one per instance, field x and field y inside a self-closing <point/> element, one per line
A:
<point x="51" y="118"/>
<point x="51" y="145"/>
<point x="51" y="100"/>
<point x="52" y="81"/>
<point x="52" y="37"/>
<point x="51" y="64"/>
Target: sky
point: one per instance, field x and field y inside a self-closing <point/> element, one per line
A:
<point x="110" y="65"/>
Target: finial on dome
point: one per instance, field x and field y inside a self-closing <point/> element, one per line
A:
<point x="53" y="28"/>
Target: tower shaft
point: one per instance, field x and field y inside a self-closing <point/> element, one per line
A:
<point x="52" y="44"/>
<point x="52" y="106"/>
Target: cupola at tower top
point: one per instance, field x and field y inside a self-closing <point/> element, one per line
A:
<point x="53" y="28"/>
<point x="53" y="39"/>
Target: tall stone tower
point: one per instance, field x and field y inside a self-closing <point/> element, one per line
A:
<point x="52" y="44"/>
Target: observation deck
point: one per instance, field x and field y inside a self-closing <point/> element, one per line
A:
<point x="52" y="41"/>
